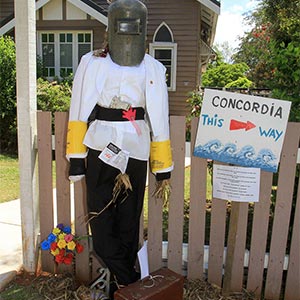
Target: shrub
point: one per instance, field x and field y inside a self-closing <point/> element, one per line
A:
<point x="53" y="96"/>
<point x="8" y="127"/>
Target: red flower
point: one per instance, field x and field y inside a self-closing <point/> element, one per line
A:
<point x="53" y="246"/>
<point x="62" y="252"/>
<point x="79" y="248"/>
<point x="68" y="259"/>
<point x="59" y="258"/>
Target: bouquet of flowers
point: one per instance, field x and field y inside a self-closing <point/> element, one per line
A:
<point x="62" y="244"/>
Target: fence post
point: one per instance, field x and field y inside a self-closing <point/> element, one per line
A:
<point x="26" y="119"/>
<point x="44" y="143"/>
<point x="198" y="182"/>
<point x="234" y="265"/>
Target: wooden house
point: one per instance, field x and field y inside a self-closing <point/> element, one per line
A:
<point x="180" y="34"/>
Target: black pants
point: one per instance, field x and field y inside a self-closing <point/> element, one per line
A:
<point x="115" y="231"/>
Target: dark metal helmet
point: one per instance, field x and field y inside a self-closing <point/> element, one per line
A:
<point x="127" y="32"/>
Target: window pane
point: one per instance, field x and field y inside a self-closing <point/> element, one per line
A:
<point x="62" y="38"/>
<point x="66" y="56"/>
<point x="80" y="38"/>
<point x="87" y="37"/>
<point x="163" y="35"/>
<point x="51" y="38"/>
<point x="69" y="38"/>
<point x="64" y="72"/>
<point x="83" y="49"/>
<point x="51" y="72"/>
<point x="48" y="55"/>
<point x="165" y="57"/>
<point x="44" y="38"/>
<point x="163" y="54"/>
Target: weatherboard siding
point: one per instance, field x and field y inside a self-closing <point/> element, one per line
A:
<point x="183" y="18"/>
<point x="6" y="8"/>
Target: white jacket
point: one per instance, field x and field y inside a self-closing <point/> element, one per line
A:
<point x="89" y="83"/>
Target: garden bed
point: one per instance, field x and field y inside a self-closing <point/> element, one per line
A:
<point x="58" y="287"/>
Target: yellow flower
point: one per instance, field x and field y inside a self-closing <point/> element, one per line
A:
<point x="61" y="236"/>
<point x="71" y="245"/>
<point x="55" y="252"/>
<point x="56" y="231"/>
<point x="61" y="244"/>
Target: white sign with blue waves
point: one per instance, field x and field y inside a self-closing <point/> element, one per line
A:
<point x="242" y="129"/>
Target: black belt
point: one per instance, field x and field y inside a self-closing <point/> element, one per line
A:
<point x="117" y="115"/>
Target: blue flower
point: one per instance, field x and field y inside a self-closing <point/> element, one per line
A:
<point x="67" y="229"/>
<point x="60" y="226"/>
<point x="45" y="245"/>
<point x="51" y="237"/>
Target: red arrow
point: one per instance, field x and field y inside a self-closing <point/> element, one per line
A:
<point x="236" y="125"/>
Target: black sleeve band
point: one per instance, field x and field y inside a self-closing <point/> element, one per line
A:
<point x="162" y="176"/>
<point x="77" y="166"/>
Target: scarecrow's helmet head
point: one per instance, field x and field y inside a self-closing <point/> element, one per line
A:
<point x="127" y="31"/>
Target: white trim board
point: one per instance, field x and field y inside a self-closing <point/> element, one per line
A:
<point x="40" y="3"/>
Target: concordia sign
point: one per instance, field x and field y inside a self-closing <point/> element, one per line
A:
<point x="242" y="129"/>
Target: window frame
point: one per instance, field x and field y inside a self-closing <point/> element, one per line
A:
<point x="168" y="45"/>
<point x="75" y="45"/>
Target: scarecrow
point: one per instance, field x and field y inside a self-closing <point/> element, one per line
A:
<point x="118" y="119"/>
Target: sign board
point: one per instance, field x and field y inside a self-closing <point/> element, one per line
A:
<point x="236" y="183"/>
<point x="242" y="129"/>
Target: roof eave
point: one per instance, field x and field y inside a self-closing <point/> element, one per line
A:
<point x="78" y="3"/>
<point x="212" y="5"/>
<point x="84" y="6"/>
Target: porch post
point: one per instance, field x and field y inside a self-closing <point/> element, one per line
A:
<point x="25" y="33"/>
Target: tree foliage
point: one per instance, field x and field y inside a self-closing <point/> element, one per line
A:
<point x="254" y="50"/>
<point x="224" y="74"/>
<point x="284" y="17"/>
<point x="272" y="50"/>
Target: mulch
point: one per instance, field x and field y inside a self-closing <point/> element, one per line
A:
<point x="64" y="286"/>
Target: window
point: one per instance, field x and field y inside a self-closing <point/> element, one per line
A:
<point x="65" y="54"/>
<point x="48" y="49"/>
<point x="164" y="49"/>
<point x="61" y="51"/>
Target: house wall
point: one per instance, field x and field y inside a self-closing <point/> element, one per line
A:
<point x="185" y="32"/>
<point x="6" y="8"/>
<point x="70" y="18"/>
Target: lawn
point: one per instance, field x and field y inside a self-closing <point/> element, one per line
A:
<point x="9" y="178"/>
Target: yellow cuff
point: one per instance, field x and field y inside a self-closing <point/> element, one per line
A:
<point x="160" y="155"/>
<point x="75" y="136"/>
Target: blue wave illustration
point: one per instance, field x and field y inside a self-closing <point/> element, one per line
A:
<point x="246" y="156"/>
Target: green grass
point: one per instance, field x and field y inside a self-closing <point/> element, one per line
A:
<point x="9" y="178"/>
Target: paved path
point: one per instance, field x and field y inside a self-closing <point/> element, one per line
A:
<point x="10" y="241"/>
